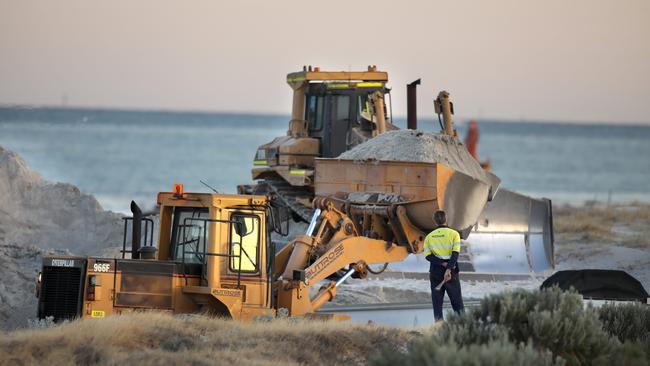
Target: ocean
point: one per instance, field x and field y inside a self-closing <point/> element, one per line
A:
<point x="121" y="155"/>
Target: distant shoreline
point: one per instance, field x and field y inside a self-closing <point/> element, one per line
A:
<point x="460" y="120"/>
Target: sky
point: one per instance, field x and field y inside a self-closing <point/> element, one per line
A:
<point x="578" y="60"/>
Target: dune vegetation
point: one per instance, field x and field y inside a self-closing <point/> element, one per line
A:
<point x="163" y="339"/>
<point x="627" y="224"/>
<point x="547" y="327"/>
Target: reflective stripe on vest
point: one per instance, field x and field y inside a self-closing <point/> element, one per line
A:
<point x="442" y="242"/>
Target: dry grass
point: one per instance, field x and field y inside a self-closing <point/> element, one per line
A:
<point x="156" y="339"/>
<point x="625" y="224"/>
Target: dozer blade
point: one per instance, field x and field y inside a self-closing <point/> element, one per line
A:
<point x="512" y="240"/>
<point x="513" y="235"/>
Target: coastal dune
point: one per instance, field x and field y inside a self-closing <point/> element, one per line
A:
<point x="39" y="217"/>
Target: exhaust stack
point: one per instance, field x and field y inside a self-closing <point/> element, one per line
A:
<point x="412" y="105"/>
<point x="136" y="230"/>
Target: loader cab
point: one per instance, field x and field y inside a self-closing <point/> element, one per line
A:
<point x="214" y="254"/>
<point x="224" y="242"/>
<point x="335" y="111"/>
<point x="221" y="235"/>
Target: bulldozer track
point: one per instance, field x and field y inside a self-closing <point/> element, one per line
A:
<point x="289" y="195"/>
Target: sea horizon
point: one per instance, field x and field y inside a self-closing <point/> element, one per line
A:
<point x="119" y="155"/>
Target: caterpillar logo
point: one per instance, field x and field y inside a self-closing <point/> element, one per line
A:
<point x="63" y="262"/>
<point x="324" y="261"/>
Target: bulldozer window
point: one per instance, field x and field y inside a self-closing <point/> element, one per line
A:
<point x="314" y="112"/>
<point x="365" y="118"/>
<point x="342" y="107"/>
<point x="244" y="242"/>
<point x="188" y="237"/>
<point x="364" y="108"/>
<point x="338" y="125"/>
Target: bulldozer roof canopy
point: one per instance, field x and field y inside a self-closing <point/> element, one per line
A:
<point x="296" y="77"/>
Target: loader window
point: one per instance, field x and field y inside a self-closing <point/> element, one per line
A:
<point x="314" y="112"/>
<point x="188" y="235"/>
<point x="244" y="242"/>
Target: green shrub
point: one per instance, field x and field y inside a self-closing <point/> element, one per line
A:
<point x="628" y="323"/>
<point x="494" y="353"/>
<point x="177" y="342"/>
<point x="463" y="330"/>
<point x="522" y="327"/>
<point x="552" y="319"/>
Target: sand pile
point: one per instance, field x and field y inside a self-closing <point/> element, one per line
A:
<point x="51" y="215"/>
<point x="413" y="145"/>
<point x="39" y="217"/>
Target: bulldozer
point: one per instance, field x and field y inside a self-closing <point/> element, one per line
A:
<point x="334" y="111"/>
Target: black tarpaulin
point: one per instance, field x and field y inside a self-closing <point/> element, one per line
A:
<point x="599" y="284"/>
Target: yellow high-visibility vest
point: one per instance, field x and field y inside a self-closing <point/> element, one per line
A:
<point x="441" y="242"/>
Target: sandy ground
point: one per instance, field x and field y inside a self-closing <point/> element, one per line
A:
<point x="416" y="290"/>
<point x="604" y="237"/>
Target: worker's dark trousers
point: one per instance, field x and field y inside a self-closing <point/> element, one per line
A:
<point x="452" y="288"/>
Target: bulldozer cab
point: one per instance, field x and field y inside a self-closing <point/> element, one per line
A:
<point x="341" y="114"/>
<point x="332" y="112"/>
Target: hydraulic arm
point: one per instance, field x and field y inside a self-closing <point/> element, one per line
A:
<point x="333" y="242"/>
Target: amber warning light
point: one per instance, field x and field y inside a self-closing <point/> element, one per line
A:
<point x="178" y="190"/>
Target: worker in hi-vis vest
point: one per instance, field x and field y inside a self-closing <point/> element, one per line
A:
<point x="442" y="248"/>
